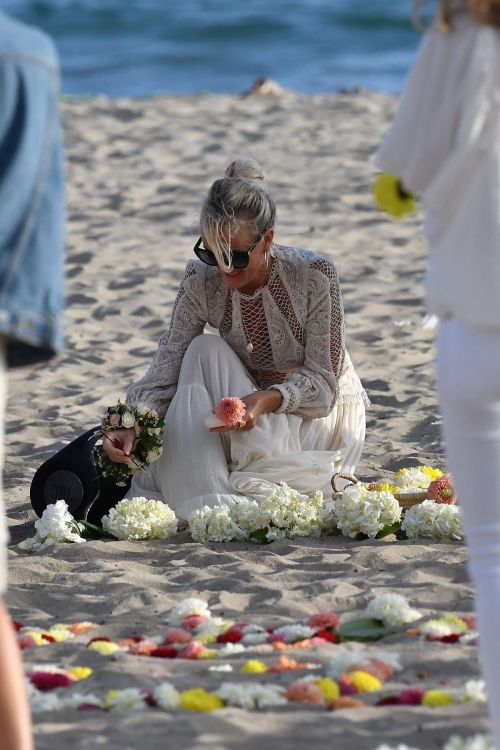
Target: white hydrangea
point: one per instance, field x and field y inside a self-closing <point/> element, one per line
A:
<point x="477" y="742"/>
<point x="294" y="633"/>
<point x="166" y="696"/>
<point x="437" y="628"/>
<point x="283" y="513"/>
<point x="41" y="701"/>
<point x="215" y="525"/>
<point x="221" y="668"/>
<point x="412" y="479"/>
<point x="191" y="606"/>
<point x="474" y="691"/>
<point x="140" y="518"/>
<point x="129" y="699"/>
<point x="74" y="700"/>
<point x="362" y="511"/>
<point x="250" y="696"/>
<point x="56" y="525"/>
<point x="292" y="514"/>
<point x="434" y="521"/>
<point x="392" y="609"/>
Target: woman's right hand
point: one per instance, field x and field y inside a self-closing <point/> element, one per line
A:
<point x="119" y="444"/>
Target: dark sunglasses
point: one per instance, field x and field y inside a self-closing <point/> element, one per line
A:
<point x="239" y="258"/>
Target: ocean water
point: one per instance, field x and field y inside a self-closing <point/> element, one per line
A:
<point x="142" y="47"/>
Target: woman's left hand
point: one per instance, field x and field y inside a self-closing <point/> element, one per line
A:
<point x="257" y="403"/>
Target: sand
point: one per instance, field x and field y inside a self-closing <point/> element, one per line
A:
<point x="137" y="171"/>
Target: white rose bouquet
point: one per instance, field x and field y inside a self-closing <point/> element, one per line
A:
<point x="149" y="440"/>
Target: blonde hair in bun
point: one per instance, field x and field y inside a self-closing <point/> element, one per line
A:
<point x="238" y="197"/>
<point x="486" y="12"/>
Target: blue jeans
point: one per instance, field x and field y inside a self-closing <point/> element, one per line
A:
<point x="31" y="194"/>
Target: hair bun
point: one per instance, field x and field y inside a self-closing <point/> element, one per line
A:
<point x="245" y="168"/>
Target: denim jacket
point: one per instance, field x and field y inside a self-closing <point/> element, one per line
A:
<point x="31" y="195"/>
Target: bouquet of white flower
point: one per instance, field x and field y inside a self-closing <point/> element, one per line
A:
<point x="148" y="445"/>
<point x="140" y="518"/>
<point x="284" y="513"/>
<point x="370" y="512"/>
<point x="434" y="521"/>
<point x="56" y="525"/>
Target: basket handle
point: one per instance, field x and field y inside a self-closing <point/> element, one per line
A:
<point x="350" y="478"/>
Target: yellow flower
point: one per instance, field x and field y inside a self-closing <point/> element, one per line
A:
<point x="80" y="673"/>
<point x="364" y="681"/>
<point x="386" y="487"/>
<point x="104" y="647"/>
<point x="59" y="634"/>
<point x="254" y="666"/>
<point x="456" y="622"/>
<point x="207" y="638"/>
<point x="391" y="196"/>
<point x="328" y="687"/>
<point x="437" y="698"/>
<point x="198" y="699"/>
<point x="431" y="472"/>
<point x="210" y="653"/>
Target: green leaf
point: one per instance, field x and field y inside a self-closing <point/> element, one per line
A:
<point x="91" y="531"/>
<point x="260" y="535"/>
<point x="364" y="629"/>
<point x="389" y="529"/>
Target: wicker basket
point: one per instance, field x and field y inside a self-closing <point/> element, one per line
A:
<point x="405" y="499"/>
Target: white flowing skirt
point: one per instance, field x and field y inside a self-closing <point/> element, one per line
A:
<point x="198" y="467"/>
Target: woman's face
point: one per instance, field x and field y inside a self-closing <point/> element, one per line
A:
<point x="255" y="273"/>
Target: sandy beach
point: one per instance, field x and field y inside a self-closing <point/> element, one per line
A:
<point x="137" y="171"/>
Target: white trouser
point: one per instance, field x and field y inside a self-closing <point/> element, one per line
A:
<point x="469" y="390"/>
<point x="3" y="530"/>
<point x="200" y="468"/>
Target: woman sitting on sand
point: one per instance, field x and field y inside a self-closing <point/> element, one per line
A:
<point x="281" y="349"/>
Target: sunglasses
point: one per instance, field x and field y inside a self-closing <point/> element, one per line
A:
<point x="239" y="258"/>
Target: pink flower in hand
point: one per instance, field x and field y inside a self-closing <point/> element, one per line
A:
<point x="231" y="411"/>
<point x="441" y="490"/>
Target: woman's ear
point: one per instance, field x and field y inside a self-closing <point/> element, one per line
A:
<point x="268" y="238"/>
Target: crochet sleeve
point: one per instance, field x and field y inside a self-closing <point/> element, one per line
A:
<point x="311" y="391"/>
<point x="158" y="386"/>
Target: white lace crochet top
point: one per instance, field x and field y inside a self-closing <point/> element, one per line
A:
<point x="289" y="334"/>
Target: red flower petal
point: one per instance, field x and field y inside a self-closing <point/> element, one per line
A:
<point x="165" y="652"/>
<point x="50" y="680"/>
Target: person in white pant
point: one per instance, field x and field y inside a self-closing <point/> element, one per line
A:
<point x="444" y="145"/>
<point x="281" y="349"/>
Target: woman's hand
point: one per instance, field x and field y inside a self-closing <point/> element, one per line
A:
<point x="119" y="444"/>
<point x="257" y="403"/>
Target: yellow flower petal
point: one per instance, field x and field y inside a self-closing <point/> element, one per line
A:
<point x="104" y="647"/>
<point x="328" y="687"/>
<point x="81" y="673"/>
<point x="207" y="638"/>
<point x="254" y="666"/>
<point x="364" y="681"/>
<point x="59" y="635"/>
<point x="391" y="197"/>
<point x="437" y="698"/>
<point x="198" y="699"/>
